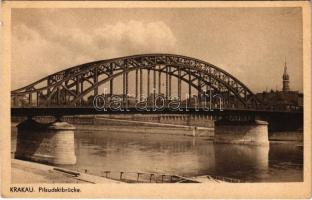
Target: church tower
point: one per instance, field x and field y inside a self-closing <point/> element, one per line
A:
<point x="285" y="79"/>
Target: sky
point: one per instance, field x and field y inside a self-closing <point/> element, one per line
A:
<point x="252" y="44"/>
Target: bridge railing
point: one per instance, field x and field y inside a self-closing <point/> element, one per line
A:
<point x="150" y="105"/>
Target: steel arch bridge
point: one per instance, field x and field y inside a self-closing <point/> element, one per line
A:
<point x="70" y="87"/>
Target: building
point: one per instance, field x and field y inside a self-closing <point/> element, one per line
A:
<point x="282" y="100"/>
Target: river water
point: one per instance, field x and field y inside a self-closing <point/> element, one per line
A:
<point x="99" y="151"/>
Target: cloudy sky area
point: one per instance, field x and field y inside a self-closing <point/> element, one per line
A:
<point x="251" y="44"/>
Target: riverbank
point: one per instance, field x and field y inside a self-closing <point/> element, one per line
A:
<point x="30" y="172"/>
<point x="163" y="124"/>
<point x="287" y="136"/>
<point x="124" y="125"/>
<point x="24" y="172"/>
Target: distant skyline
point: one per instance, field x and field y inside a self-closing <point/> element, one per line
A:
<point x="249" y="43"/>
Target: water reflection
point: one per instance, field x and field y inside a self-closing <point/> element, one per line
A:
<point x="98" y="151"/>
<point x="147" y="153"/>
<point x="186" y="156"/>
<point x="241" y="161"/>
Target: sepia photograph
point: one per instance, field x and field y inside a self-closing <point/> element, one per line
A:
<point x="157" y="95"/>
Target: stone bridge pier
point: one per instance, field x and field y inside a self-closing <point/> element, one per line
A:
<point x="51" y="143"/>
<point x="253" y="132"/>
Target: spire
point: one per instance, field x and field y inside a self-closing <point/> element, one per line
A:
<point x="285" y="75"/>
<point x="285" y="68"/>
<point x="285" y="78"/>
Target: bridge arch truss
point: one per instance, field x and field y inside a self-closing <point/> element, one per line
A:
<point x="72" y="86"/>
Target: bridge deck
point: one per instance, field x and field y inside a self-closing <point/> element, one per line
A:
<point x="61" y="111"/>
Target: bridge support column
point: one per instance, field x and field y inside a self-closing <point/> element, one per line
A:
<point x="159" y="80"/>
<point x="239" y="132"/>
<point x="169" y="86"/>
<point x="51" y="143"/>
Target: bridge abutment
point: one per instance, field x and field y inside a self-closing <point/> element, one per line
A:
<point x="237" y="132"/>
<point x="51" y="143"/>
